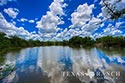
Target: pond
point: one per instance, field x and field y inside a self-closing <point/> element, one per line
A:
<point x="58" y="64"/>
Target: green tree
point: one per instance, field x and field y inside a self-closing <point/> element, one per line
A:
<point x="75" y="41"/>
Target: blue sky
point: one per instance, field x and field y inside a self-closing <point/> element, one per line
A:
<point x="57" y="19"/>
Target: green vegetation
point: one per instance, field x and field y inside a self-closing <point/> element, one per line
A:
<point x="2" y="60"/>
<point x="15" y="42"/>
<point x="79" y="41"/>
<point x="112" y="51"/>
<point x="109" y="41"/>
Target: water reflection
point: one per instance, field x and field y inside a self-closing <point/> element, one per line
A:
<point x="65" y="59"/>
<point x="47" y="64"/>
<point x="114" y="59"/>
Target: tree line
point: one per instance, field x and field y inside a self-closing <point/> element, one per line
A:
<point x="14" y="41"/>
<point x="76" y="41"/>
<point x="106" y="41"/>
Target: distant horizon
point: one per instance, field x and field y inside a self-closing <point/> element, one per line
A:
<point x="57" y="20"/>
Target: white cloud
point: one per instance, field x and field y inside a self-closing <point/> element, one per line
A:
<point x="102" y="25"/>
<point x="3" y="2"/>
<point x="79" y="26"/>
<point x="56" y="7"/>
<point x="31" y="21"/>
<point x="110" y="30"/>
<point x="85" y="24"/>
<point x="36" y="19"/>
<point x="22" y="20"/>
<point x="99" y="15"/>
<point x="62" y="35"/>
<point x="10" y="29"/>
<point x="118" y="24"/>
<point x="67" y="34"/>
<point x="83" y="21"/>
<point x="49" y="22"/>
<point x="92" y="25"/>
<point x="13" y="22"/>
<point x="12" y="12"/>
<point x="81" y="15"/>
<point x="26" y="20"/>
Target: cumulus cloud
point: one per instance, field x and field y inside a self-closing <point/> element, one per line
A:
<point x="110" y="30"/>
<point x="22" y="20"/>
<point x="81" y="15"/>
<point x="12" y="12"/>
<point x="66" y="34"/>
<point x="10" y="29"/>
<point x="83" y="21"/>
<point x="31" y="21"/>
<point x="62" y="35"/>
<point x="92" y="25"/>
<point x="4" y="2"/>
<point x="26" y="20"/>
<point x="118" y="24"/>
<point x="49" y="22"/>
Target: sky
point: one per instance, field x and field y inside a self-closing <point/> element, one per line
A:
<point x="57" y="20"/>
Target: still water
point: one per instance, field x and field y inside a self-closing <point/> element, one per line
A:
<point x="58" y="64"/>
